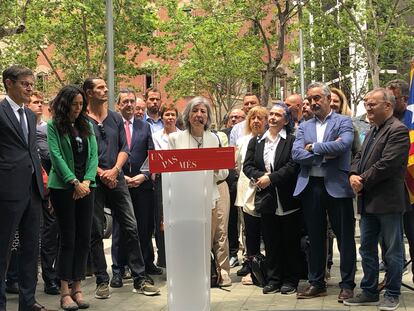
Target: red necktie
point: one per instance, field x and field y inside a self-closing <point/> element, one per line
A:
<point x="128" y="133"/>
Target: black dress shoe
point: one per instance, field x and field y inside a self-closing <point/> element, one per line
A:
<point x="39" y="307"/>
<point x="312" y="292"/>
<point x="245" y="269"/>
<point x="271" y="288"/>
<point x="153" y="270"/>
<point x="12" y="287"/>
<point x="51" y="288"/>
<point x="116" y="281"/>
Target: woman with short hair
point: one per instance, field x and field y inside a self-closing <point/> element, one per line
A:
<point x="270" y="166"/>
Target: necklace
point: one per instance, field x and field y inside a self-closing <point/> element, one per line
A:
<point x="199" y="142"/>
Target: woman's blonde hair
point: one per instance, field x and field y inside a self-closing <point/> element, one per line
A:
<point x="255" y="111"/>
<point x="344" y="106"/>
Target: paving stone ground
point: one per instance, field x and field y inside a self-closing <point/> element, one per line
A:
<point x="237" y="297"/>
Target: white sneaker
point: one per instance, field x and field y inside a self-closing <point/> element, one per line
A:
<point x="234" y="262"/>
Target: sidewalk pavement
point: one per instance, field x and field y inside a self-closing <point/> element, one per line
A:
<point x="237" y="297"/>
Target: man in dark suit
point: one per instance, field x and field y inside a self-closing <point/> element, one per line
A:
<point x="323" y="150"/>
<point x="22" y="187"/>
<point x="139" y="140"/>
<point x="377" y="176"/>
<point x="50" y="230"/>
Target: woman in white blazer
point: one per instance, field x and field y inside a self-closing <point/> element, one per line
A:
<point x="197" y="120"/>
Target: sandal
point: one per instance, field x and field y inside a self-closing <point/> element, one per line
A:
<point x="71" y="306"/>
<point x="82" y="304"/>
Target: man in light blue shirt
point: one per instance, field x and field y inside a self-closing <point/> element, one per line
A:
<point x="152" y="98"/>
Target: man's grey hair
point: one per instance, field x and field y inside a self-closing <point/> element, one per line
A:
<point x="199" y="100"/>
<point x="325" y="89"/>
<point x="125" y="91"/>
<point x="401" y="85"/>
<point x="387" y="96"/>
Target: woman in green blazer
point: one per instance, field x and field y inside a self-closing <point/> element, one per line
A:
<point x="74" y="157"/>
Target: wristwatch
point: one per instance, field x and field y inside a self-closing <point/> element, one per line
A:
<point x="118" y="169"/>
<point x="75" y="182"/>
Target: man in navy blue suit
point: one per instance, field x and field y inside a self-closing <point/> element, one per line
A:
<point x="21" y="185"/>
<point x="139" y="140"/>
<point x="323" y="150"/>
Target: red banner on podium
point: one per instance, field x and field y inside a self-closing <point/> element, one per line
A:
<point x="178" y="160"/>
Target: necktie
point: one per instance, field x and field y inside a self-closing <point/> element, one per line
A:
<point x="128" y="133"/>
<point x="23" y="124"/>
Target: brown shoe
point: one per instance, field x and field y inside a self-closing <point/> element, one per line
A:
<point x="312" y="292"/>
<point x="345" y="294"/>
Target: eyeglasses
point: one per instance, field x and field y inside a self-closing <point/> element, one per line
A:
<point x="316" y="98"/>
<point x="79" y="144"/>
<point x="102" y="130"/>
<point x="370" y="106"/>
<point x="26" y="84"/>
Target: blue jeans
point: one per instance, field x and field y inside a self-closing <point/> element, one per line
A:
<point x="390" y="227"/>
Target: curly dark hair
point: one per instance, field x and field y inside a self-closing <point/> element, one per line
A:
<point x="61" y="108"/>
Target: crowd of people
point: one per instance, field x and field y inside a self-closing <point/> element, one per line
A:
<point x="305" y="171"/>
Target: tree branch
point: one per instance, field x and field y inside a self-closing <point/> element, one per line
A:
<point x="51" y="65"/>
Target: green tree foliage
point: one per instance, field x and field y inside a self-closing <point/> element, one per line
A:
<point x="71" y="36"/>
<point x="213" y="55"/>
<point x="345" y="36"/>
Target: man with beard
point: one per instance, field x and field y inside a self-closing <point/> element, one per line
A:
<point x="112" y="191"/>
<point x="323" y="150"/>
<point x="152" y="116"/>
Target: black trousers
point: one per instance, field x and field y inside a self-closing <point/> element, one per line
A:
<point x="159" y="222"/>
<point x="49" y="244"/>
<point x="282" y="235"/>
<point x="253" y="229"/>
<point x="24" y="215"/>
<point x="233" y="227"/>
<point x="143" y="203"/>
<point x="12" y="275"/>
<point x="317" y="203"/>
<point x="119" y="201"/>
<point x="74" y="218"/>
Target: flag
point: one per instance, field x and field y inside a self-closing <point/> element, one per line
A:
<point x="409" y="176"/>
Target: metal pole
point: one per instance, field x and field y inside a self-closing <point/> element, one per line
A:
<point x="302" y="70"/>
<point x="110" y="53"/>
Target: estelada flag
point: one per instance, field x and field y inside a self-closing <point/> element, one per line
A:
<point x="409" y="177"/>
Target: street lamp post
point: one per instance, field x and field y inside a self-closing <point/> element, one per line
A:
<point x="110" y="53"/>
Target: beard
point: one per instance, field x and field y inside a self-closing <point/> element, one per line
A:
<point x="154" y="109"/>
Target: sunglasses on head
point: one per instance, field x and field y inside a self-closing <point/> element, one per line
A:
<point x="102" y="130"/>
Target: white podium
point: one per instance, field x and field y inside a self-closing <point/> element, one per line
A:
<point x="187" y="189"/>
<point x="187" y="203"/>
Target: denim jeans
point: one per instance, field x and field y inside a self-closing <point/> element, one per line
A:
<point x="390" y="227"/>
<point x="119" y="200"/>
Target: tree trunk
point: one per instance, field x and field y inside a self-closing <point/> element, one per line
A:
<point x="374" y="69"/>
<point x="267" y="85"/>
